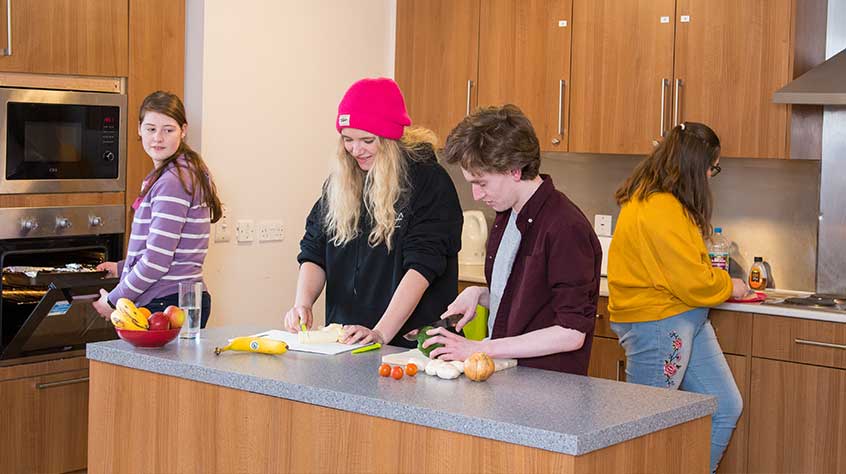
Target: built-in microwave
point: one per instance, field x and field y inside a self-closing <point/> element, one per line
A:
<point x="61" y="141"/>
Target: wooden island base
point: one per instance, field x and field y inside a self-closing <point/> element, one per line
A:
<point x="145" y="422"/>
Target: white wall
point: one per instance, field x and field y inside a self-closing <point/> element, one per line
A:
<point x="267" y="80"/>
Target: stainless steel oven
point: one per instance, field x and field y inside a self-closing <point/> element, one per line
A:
<point x="48" y="257"/>
<point x="61" y="141"/>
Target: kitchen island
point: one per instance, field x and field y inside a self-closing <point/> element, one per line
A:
<point x="181" y="408"/>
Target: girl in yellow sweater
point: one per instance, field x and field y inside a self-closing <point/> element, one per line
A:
<point x="660" y="278"/>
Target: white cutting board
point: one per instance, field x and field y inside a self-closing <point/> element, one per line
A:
<point x="291" y="339"/>
<point x="421" y="361"/>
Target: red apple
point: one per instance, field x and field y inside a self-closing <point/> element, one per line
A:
<point x="176" y="316"/>
<point x="159" y="321"/>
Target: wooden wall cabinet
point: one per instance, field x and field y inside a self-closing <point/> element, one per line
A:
<point x="437" y="63"/>
<point x="524" y="59"/>
<point x="45" y="416"/>
<point x="621" y="74"/>
<point x="78" y="37"/>
<point x="640" y="68"/>
<point x="453" y="56"/>
<point x="637" y="69"/>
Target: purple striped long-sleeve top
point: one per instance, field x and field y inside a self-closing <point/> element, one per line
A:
<point x="168" y="242"/>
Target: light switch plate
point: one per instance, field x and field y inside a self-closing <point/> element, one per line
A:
<point x="602" y="224"/>
<point x="221" y="227"/>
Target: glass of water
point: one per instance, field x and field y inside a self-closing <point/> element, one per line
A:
<point x="191" y="301"/>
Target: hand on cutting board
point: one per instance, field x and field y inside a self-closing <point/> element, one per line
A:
<point x="295" y="317"/>
<point x="455" y="347"/>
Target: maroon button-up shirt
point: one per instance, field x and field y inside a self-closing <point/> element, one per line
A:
<point x="555" y="276"/>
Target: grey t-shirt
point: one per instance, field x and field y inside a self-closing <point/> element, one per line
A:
<point x="505" y="256"/>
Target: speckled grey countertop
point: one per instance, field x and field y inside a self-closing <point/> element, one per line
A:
<point x="558" y="412"/>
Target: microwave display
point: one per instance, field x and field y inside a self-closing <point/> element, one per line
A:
<point x="61" y="141"/>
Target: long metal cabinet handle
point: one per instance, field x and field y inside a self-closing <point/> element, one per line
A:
<point x="664" y="83"/>
<point x="42" y="386"/>
<point x="821" y="344"/>
<point x="619" y="370"/>
<point x="676" y="114"/>
<point x="7" y="51"/>
<point x="469" y="88"/>
<point x="561" y="85"/>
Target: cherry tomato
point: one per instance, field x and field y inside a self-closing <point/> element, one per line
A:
<point x="385" y="370"/>
<point x="396" y="372"/>
<point x="411" y="369"/>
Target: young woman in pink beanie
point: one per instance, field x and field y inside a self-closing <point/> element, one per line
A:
<point x="384" y="236"/>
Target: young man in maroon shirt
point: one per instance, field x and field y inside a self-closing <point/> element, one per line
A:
<point x="543" y="258"/>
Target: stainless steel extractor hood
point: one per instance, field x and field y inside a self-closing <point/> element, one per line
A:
<point x="822" y="85"/>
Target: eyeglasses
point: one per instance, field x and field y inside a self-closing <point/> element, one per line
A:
<point x="715" y="170"/>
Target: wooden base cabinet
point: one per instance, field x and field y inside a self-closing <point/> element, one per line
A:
<point x="798" y="418"/>
<point x="44" y="412"/>
<point x="607" y="359"/>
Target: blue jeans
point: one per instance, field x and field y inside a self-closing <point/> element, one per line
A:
<point x="682" y="352"/>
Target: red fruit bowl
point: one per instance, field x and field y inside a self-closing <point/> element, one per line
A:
<point x="148" y="338"/>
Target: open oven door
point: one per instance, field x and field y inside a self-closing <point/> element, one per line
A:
<point x="64" y="319"/>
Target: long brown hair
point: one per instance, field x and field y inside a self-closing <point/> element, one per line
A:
<point x="170" y="105"/>
<point x="679" y="165"/>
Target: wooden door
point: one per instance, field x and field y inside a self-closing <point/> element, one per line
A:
<point x="730" y="57"/>
<point x="797" y="418"/>
<point x="621" y="69"/>
<point x="45" y="423"/>
<point x="81" y="37"/>
<point x="437" y="51"/>
<point x="607" y="359"/>
<point x="524" y="59"/>
<point x="734" y="458"/>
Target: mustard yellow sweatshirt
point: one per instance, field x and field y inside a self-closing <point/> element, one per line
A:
<point x="658" y="265"/>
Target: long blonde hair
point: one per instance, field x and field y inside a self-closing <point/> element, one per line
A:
<point x="382" y="188"/>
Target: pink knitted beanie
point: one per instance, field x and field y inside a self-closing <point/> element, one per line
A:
<point x="376" y="106"/>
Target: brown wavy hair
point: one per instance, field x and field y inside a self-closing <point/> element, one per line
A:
<point x="170" y="105"/>
<point x="495" y="140"/>
<point x="679" y="165"/>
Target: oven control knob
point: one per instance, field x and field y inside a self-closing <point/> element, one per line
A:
<point x="108" y="156"/>
<point x="63" y="223"/>
<point x="96" y="221"/>
<point x="29" y="224"/>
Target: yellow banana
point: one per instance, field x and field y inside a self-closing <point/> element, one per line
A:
<point x="127" y="307"/>
<point x="122" y="321"/>
<point x="254" y="344"/>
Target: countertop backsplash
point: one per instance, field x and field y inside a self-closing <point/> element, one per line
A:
<point x="767" y="208"/>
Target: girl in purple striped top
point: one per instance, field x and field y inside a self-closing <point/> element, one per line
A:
<point x="172" y="216"/>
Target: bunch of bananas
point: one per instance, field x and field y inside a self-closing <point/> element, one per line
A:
<point x="129" y="317"/>
<point x="254" y="344"/>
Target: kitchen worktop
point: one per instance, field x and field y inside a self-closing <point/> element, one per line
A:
<point x="557" y="412"/>
<point x="475" y="274"/>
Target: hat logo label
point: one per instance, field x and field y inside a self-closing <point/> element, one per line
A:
<point x="344" y="120"/>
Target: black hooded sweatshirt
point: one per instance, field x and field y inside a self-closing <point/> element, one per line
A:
<point x="361" y="280"/>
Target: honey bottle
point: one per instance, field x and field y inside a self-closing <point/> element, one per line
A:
<point x="758" y="275"/>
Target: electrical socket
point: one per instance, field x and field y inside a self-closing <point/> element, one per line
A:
<point x="221" y="227"/>
<point x="602" y="224"/>
<point x="245" y="231"/>
<point x="270" y="230"/>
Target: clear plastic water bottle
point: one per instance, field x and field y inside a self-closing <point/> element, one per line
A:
<point x="718" y="250"/>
